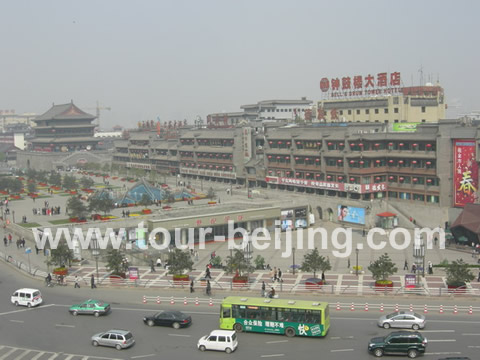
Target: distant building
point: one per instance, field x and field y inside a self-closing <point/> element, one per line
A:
<point x="289" y="110"/>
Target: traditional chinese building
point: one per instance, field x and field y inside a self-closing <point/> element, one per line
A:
<point x="379" y="99"/>
<point x="64" y="128"/>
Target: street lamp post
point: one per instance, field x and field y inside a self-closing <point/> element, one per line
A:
<point x="13" y="216"/>
<point x="293" y="265"/>
<point x="95" y="253"/>
<point x="357" y="250"/>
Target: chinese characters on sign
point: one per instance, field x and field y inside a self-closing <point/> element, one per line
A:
<point x="213" y="173"/>
<point x="465" y="177"/>
<point x="247" y="143"/>
<point x="328" y="185"/>
<point x="358" y="85"/>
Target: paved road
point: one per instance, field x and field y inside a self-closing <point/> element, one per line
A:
<point x="50" y="332"/>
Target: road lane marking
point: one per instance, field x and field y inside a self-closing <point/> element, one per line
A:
<point x="181" y="335"/>
<point x="272" y="355"/>
<point x="17" y="321"/>
<point x="468" y="334"/>
<point x="6" y="355"/>
<point x="473" y="347"/>
<point x="341" y="350"/>
<point x="69" y="357"/>
<point x="25" y="352"/>
<point x="442" y="340"/>
<point x="430" y="321"/>
<point x="27" y="309"/>
<point x="38" y="356"/>
<point x="142" y="356"/>
<point x="443" y="353"/>
<point x="437" y="331"/>
<point x="64" y="325"/>
<point x="340" y="337"/>
<point x="276" y="342"/>
<point x="53" y="356"/>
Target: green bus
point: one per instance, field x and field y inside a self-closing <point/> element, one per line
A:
<point x="275" y="316"/>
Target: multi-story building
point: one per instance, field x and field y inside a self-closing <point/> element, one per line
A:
<point x="64" y="128"/>
<point x="288" y="110"/>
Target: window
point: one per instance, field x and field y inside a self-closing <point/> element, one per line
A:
<point x="395" y="110"/>
<point x="221" y="339"/>
<point x="212" y="338"/>
<point x="106" y="336"/>
<point x="225" y="312"/>
<point x="376" y="111"/>
<point x="423" y="109"/>
<point x="367" y="111"/>
<point x="385" y="111"/>
<point x="358" y="112"/>
<point x="349" y="112"/>
<point x="341" y="112"/>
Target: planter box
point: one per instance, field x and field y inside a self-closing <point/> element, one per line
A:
<point x="146" y="211"/>
<point x="384" y="287"/>
<point x="117" y="276"/>
<point x="181" y="279"/>
<point x="454" y="289"/>
<point x="63" y="272"/>
<point x="240" y="280"/>
<point x="313" y="284"/>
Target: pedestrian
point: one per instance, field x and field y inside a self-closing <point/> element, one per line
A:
<point x="264" y="286"/>
<point x="196" y="255"/>
<point x="279" y="275"/>
<point x="348" y="263"/>
<point x="209" y="288"/>
<point x="36" y="249"/>
<point x="478" y="278"/>
<point x="9" y="238"/>
<point x="77" y="285"/>
<point x="92" y="282"/>
<point x="430" y="268"/>
<point x="323" y="277"/>
<point x="275" y="274"/>
<point x="414" y="268"/>
<point x="271" y="294"/>
<point x="435" y="240"/>
<point x="152" y="267"/>
<point x="405" y="267"/>
<point x="207" y="273"/>
<point x="159" y="262"/>
<point x="191" y="287"/>
<point x="5" y="241"/>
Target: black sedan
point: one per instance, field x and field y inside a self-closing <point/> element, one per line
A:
<point x="175" y="319"/>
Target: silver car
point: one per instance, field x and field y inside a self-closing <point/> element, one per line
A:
<point x="402" y="319"/>
<point x="119" y="339"/>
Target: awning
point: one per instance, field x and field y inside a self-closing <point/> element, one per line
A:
<point x="386" y="214"/>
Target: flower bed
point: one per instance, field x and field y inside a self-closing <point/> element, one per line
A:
<point x="146" y="211"/>
<point x="383" y="285"/>
<point x="240" y="279"/>
<point x="212" y="203"/>
<point x="57" y="188"/>
<point x="181" y="279"/>
<point x="60" y="271"/>
<point x="15" y="197"/>
<point x="167" y="207"/>
<point x="42" y="184"/>
<point x="3" y="192"/>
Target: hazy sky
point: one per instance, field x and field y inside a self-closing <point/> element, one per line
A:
<point x="178" y="59"/>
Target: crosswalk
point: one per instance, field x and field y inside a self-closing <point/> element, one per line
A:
<point x="16" y="353"/>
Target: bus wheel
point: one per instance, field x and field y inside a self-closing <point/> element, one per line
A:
<point x="238" y="327"/>
<point x="290" y="332"/>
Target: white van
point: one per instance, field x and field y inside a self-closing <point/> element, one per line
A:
<point x="27" y="297"/>
<point x="220" y="340"/>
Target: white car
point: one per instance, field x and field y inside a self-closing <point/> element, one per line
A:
<point x="26" y="297"/>
<point x="220" y="340"/>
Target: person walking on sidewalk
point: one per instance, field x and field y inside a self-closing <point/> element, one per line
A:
<point x="264" y="287"/>
<point x="207" y="273"/>
<point x="152" y="267"/>
<point x="191" y="287"/>
<point x="405" y="267"/>
<point x="92" y="282"/>
<point x="77" y="285"/>
<point x="209" y="288"/>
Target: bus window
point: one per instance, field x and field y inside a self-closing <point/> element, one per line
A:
<point x="226" y="312"/>
<point x="283" y="314"/>
<point x="239" y="311"/>
<point x="297" y="315"/>
<point x="268" y="313"/>
<point x="316" y="317"/>
<point x="253" y="313"/>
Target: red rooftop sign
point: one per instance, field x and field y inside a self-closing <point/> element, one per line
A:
<point x="358" y="85"/>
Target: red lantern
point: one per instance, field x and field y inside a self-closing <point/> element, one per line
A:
<point x="362" y="162"/>
<point x="270" y="142"/>
<point x="414" y="161"/>
<point x="378" y="178"/>
<point x="318" y="175"/>
<point x="401" y="144"/>
<point x="278" y="157"/>
<point x="377" y="145"/>
<point x="415" y="145"/>
<point x="306" y="159"/>
<point x="352" y="144"/>
<point x="279" y="142"/>
<point x="319" y="143"/>
<point x="429" y="145"/>
<point x="329" y="144"/>
<point x="223" y="167"/>
<point x="269" y="156"/>
<point x="341" y="144"/>
<point x="415" y="179"/>
<point x="308" y="174"/>
<point x="299" y="142"/>
<point x="297" y="158"/>
<point x="340" y="178"/>
<point x="297" y="174"/>
<point x="428" y="163"/>
<point x="429" y="180"/>
<point x="401" y="178"/>
<point x="287" y="158"/>
<point x="278" y="172"/>
<point x="329" y="177"/>
<point x="390" y="177"/>
<point x="390" y="161"/>
<point x="231" y="168"/>
<point x="400" y="161"/>
<point x="352" y="179"/>
<point x="317" y="160"/>
<point x="352" y="161"/>
<point x="377" y="161"/>
<point x="361" y="144"/>
<point x="339" y="160"/>
<point x="390" y="144"/>
<point x="289" y="143"/>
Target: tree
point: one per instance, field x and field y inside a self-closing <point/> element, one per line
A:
<point x="15" y="185"/>
<point x="69" y="182"/>
<point x="382" y="268"/>
<point x="76" y="207"/>
<point x="314" y="262"/>
<point x="145" y="200"/>
<point x="458" y="273"/>
<point x="55" y="179"/>
<point x="106" y="167"/>
<point x="42" y="176"/>
<point x="31" y="187"/>
<point x="259" y="262"/>
<point x="115" y="262"/>
<point x="61" y="256"/>
<point x="86" y="182"/>
<point x="179" y="261"/>
<point x="211" y="193"/>
<point x="104" y="205"/>
<point x="238" y="263"/>
<point x="31" y="174"/>
<point x="169" y="196"/>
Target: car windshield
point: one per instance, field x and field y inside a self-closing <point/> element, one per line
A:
<point x="389" y="316"/>
<point x="417" y="316"/>
<point x="100" y="303"/>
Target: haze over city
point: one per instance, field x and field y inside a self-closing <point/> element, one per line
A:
<point x="176" y="60"/>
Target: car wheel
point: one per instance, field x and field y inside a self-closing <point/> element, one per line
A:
<point x="118" y="347"/>
<point x="415" y="327"/>
<point x="96" y="314"/>
<point x="386" y="326"/>
<point x="95" y="343"/>
<point x="228" y="350"/>
<point x="29" y="305"/>
<point x="378" y="352"/>
<point x="290" y="332"/>
<point x="16" y="303"/>
<point x="75" y="313"/>
<point x="176" y="325"/>
<point x="238" y="327"/>
<point x="150" y="323"/>
<point x="202" y="348"/>
<point x="412" y="353"/>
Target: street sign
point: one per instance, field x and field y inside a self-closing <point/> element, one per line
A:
<point x="410" y="280"/>
<point x="28" y="250"/>
<point x="133" y="273"/>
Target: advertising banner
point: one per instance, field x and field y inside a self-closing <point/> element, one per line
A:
<point x="133" y="273"/>
<point x="465" y="177"/>
<point x="405" y="127"/>
<point x="410" y="280"/>
<point x="351" y="214"/>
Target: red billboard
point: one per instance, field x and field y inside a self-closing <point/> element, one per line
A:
<point x="465" y="177"/>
